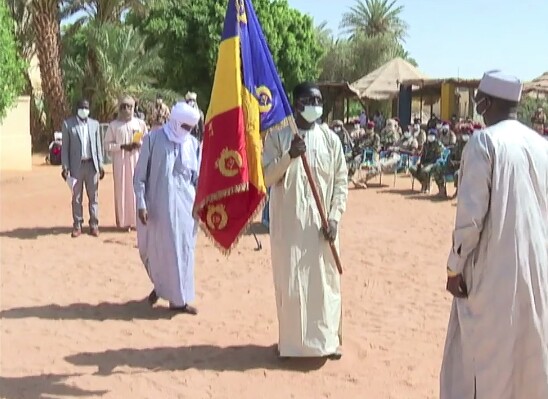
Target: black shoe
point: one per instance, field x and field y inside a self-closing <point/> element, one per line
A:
<point x="152" y="298"/>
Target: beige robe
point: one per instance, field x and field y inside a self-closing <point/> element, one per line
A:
<point x="497" y="339"/>
<point x="123" y="166"/>
<point x="306" y="281"/>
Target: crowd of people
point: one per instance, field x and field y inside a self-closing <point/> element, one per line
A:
<point x="497" y="270"/>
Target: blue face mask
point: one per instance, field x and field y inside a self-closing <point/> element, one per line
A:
<point x="312" y="113"/>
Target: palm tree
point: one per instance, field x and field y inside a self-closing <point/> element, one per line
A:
<point x="24" y="33"/>
<point x="375" y="17"/>
<point x="45" y="17"/>
<point x="122" y="67"/>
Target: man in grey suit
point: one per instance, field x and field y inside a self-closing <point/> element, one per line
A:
<point x="82" y="159"/>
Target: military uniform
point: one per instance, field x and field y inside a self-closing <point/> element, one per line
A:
<point x="422" y="172"/>
<point x="369" y="140"/>
<point x="448" y="138"/>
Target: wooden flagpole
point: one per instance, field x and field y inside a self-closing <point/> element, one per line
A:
<point x="314" y="190"/>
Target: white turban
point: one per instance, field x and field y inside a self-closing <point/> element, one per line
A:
<point x="181" y="113"/>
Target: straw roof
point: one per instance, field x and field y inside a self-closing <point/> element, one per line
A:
<point x="384" y="82"/>
<point x="539" y="85"/>
<point x="338" y="89"/>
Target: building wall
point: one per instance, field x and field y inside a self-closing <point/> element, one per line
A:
<point x="15" y="140"/>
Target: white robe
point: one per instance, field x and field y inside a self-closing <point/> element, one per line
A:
<point x="306" y="281"/>
<point x="497" y="339"/>
<point x="123" y="165"/>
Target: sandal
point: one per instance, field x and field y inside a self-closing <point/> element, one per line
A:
<point x="152" y="298"/>
<point x="184" y="309"/>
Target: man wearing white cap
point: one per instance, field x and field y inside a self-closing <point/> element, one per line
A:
<point x="497" y="339"/>
<point x="165" y="187"/>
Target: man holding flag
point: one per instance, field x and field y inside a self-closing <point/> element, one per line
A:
<point x="307" y="285"/>
<point x="248" y="101"/>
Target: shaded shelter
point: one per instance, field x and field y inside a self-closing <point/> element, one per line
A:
<point x="538" y="85"/>
<point x="384" y="82"/>
<point x="336" y="97"/>
<point x="431" y="91"/>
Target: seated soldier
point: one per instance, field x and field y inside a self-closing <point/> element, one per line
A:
<point x="369" y="139"/>
<point x="431" y="152"/>
<point x="447" y="137"/>
<point x="389" y="135"/>
<point x="338" y="127"/>
<point x="538" y="120"/>
<point x="388" y="165"/>
<point x="452" y="165"/>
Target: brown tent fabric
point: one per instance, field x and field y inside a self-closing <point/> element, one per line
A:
<point x="384" y="82"/>
<point x="539" y="84"/>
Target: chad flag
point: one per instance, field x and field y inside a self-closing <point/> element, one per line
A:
<point x="247" y="99"/>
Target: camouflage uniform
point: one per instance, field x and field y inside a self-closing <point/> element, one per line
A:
<point x="422" y="172"/>
<point x="389" y="137"/>
<point x="420" y="135"/>
<point x="448" y="139"/>
<point x="455" y="157"/>
<point x="369" y="140"/>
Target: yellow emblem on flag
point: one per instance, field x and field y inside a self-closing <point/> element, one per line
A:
<point x="229" y="163"/>
<point x="265" y="99"/>
<point x="216" y="217"/>
<point x="242" y="16"/>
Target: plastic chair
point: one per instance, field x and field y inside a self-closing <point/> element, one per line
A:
<point x="368" y="160"/>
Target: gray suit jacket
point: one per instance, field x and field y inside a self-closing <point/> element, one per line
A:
<point x="71" y="154"/>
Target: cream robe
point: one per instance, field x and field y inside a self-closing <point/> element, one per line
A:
<point x="497" y="338"/>
<point x="306" y="281"/>
<point x="123" y="166"/>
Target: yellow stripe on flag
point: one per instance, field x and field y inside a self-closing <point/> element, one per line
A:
<point x="254" y="145"/>
<point x="227" y="86"/>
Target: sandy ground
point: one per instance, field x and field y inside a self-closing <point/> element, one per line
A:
<point x="74" y="324"/>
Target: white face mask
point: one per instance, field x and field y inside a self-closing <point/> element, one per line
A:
<point x="431" y="138"/>
<point x="337" y="129"/>
<point x="312" y="113"/>
<point x="83" y="113"/>
<point x="407" y="135"/>
<point x="465" y="137"/>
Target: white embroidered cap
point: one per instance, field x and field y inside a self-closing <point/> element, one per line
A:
<point x="497" y="84"/>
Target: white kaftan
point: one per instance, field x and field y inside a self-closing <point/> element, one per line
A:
<point x="306" y="281"/>
<point x="165" y="185"/>
<point x="123" y="165"/>
<point x="497" y="339"/>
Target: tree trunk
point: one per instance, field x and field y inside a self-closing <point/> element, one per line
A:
<point x="46" y="24"/>
<point x="38" y="131"/>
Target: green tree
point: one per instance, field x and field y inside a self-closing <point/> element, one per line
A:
<point x="122" y="66"/>
<point x="12" y="68"/>
<point x="190" y="35"/>
<point x="375" y="17"/>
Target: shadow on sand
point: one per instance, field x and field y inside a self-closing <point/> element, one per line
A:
<point x="32" y="233"/>
<point x="41" y="387"/>
<point x="84" y="311"/>
<point x="416" y="195"/>
<point x="200" y="357"/>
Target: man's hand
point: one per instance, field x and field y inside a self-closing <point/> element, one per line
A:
<point x="457" y="287"/>
<point x="331" y="233"/>
<point x="298" y="147"/>
<point x="101" y="173"/>
<point x="64" y="174"/>
<point x="143" y="216"/>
